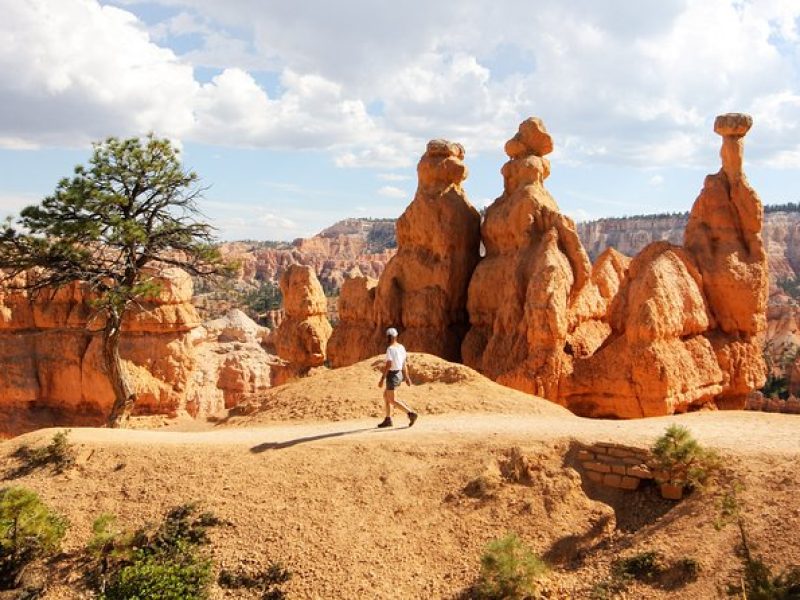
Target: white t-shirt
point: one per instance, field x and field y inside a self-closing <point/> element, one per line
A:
<point x="396" y="354"/>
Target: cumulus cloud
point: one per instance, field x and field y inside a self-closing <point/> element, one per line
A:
<point x="616" y="84"/>
<point x="73" y="71"/>
<point x="393" y="177"/>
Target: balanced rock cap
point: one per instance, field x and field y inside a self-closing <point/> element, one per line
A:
<point x="441" y="147"/>
<point x="736" y="124"/>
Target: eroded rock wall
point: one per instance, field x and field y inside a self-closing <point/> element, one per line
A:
<point x="53" y="371"/>
<point x="52" y="357"/>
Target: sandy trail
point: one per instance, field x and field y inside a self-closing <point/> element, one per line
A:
<point x="742" y="432"/>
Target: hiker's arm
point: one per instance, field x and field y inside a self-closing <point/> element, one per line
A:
<point x="385" y="372"/>
<point x="406" y="374"/>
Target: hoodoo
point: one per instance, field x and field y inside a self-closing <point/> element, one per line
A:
<point x="522" y="291"/>
<point x="688" y="322"/>
<point x="423" y="290"/>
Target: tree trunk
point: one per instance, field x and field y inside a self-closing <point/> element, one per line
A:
<point x="124" y="398"/>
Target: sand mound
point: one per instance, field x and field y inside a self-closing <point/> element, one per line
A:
<point x="352" y="392"/>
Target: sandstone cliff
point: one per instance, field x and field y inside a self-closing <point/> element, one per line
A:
<point x="53" y="370"/>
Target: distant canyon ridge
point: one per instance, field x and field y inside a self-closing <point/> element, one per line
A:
<point x="367" y="245"/>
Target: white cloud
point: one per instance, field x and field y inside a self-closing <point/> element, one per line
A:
<point x="393" y="177"/>
<point x="372" y="82"/>
<point x="656" y="181"/>
<point x="391" y="191"/>
<point x="73" y="71"/>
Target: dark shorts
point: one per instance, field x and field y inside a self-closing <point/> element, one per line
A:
<point x="393" y="380"/>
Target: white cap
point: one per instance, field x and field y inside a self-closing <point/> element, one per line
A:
<point x="392" y="332"/>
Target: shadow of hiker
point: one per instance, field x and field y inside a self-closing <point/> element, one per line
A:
<point x="303" y="440"/>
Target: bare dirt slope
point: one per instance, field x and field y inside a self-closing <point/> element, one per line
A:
<point x="358" y="512"/>
<point x="352" y="392"/>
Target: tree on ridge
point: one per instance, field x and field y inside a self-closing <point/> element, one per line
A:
<point x="110" y="227"/>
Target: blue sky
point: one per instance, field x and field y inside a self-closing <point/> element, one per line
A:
<point x="300" y="114"/>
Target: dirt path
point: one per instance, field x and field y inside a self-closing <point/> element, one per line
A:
<point x="742" y="432"/>
<point x="359" y="512"/>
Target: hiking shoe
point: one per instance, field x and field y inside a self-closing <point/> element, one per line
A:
<point x="412" y="418"/>
<point x="387" y="422"/>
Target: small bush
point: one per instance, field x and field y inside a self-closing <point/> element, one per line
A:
<point x="645" y="566"/>
<point x="58" y="454"/>
<point x="28" y="530"/>
<point x="683" y="459"/>
<point x="268" y="583"/>
<point x="179" y="576"/>
<point x="160" y="562"/>
<point x="608" y="588"/>
<point x="509" y="570"/>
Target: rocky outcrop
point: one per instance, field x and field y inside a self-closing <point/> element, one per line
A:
<point x="423" y="290"/>
<point x="52" y="360"/>
<point x="53" y="371"/>
<point x="302" y="338"/>
<point x="356" y="336"/>
<point x="522" y="293"/>
<point x="232" y="365"/>
<point x="688" y="322"/>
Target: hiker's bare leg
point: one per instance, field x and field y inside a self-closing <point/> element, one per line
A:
<point x="400" y="404"/>
<point x="388" y="399"/>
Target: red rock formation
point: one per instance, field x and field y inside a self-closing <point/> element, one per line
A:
<point x="302" y="338"/>
<point x="53" y="371"/>
<point x="355" y="337"/>
<point x="50" y="350"/>
<point x="423" y="290"/>
<point x="232" y="365"/>
<point x="687" y="323"/>
<point x="521" y="294"/>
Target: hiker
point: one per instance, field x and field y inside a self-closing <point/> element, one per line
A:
<point x="394" y="370"/>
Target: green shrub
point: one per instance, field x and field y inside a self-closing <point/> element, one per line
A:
<point x="683" y="459"/>
<point x="28" y="530"/>
<point x="182" y="575"/>
<point x="608" y="588"/>
<point x="58" y="454"/>
<point x="160" y="562"/>
<point x="509" y="570"/>
<point x="645" y="566"/>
